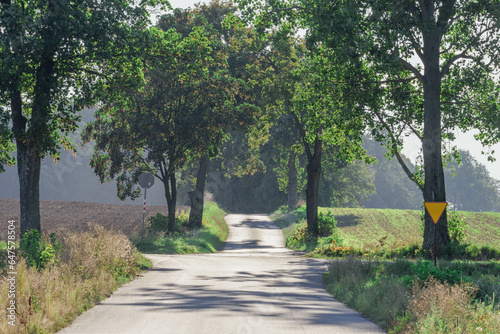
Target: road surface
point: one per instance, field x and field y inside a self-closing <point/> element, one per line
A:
<point x="255" y="285"/>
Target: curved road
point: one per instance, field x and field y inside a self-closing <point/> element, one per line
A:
<point x="255" y="285"/>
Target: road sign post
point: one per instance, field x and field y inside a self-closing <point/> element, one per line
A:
<point x="435" y="210"/>
<point x="146" y="180"/>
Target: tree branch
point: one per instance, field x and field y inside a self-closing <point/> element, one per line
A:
<point x="446" y="67"/>
<point x="302" y="134"/>
<point x="411" y="68"/>
<point x="395" y="151"/>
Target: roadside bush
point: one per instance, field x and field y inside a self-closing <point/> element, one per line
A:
<point x="186" y="239"/>
<point x="39" y="252"/>
<point x="327" y="224"/>
<point x="422" y="271"/>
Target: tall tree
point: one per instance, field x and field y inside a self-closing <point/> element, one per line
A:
<point x="51" y="55"/>
<point x="179" y="115"/>
<point x="426" y="66"/>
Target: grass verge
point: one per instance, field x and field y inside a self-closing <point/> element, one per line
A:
<point x="209" y="239"/>
<point x="416" y="297"/>
<point x="60" y="277"/>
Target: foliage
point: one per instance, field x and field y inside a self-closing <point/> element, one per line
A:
<point x="346" y="184"/>
<point x="427" y="95"/>
<point x="53" y="57"/>
<point x="469" y="185"/>
<point x="39" y="252"/>
<point x="186" y="103"/>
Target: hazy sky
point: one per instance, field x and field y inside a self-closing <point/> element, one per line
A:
<point x="412" y="146"/>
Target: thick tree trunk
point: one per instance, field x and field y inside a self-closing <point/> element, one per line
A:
<point x="292" y="182"/>
<point x="312" y="188"/>
<point x="434" y="186"/>
<point x="196" y="196"/>
<point x="169" y="183"/>
<point x="28" y="168"/>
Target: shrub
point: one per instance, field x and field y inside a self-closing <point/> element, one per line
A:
<point x="159" y="224"/>
<point x="457" y="227"/>
<point x="39" y="252"/>
<point x="422" y="271"/>
<point x="327" y="224"/>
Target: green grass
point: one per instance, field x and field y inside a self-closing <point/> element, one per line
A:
<point x="209" y="239"/>
<point x="380" y="231"/>
<point x="407" y="295"/>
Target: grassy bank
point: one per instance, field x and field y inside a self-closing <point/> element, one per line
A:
<point x="416" y="297"/>
<point x="60" y="277"/>
<point x="407" y="294"/>
<point x="388" y="233"/>
<point x="209" y="239"/>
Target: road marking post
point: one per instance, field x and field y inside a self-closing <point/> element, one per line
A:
<point x="146" y="180"/>
<point x="435" y="210"/>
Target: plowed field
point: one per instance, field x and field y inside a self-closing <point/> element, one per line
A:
<point x="76" y="215"/>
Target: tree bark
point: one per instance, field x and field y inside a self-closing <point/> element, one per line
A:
<point x="312" y="188"/>
<point x="28" y="169"/>
<point x="169" y="183"/>
<point x="292" y="182"/>
<point x="197" y="195"/>
<point x="434" y="186"/>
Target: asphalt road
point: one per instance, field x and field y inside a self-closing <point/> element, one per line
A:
<point x="255" y="285"/>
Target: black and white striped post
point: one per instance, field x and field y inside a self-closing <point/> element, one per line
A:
<point x="146" y="180"/>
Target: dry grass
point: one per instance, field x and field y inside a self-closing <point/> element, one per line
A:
<point x="89" y="267"/>
<point x="382" y="292"/>
<point x="442" y="308"/>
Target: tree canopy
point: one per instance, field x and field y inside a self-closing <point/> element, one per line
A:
<point x="425" y="67"/>
<point x="181" y="113"/>
<point x="53" y="55"/>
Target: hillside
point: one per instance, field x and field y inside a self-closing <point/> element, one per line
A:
<point x="361" y="227"/>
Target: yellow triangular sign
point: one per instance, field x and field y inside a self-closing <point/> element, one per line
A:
<point x="435" y="209"/>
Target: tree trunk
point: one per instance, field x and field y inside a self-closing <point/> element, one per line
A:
<point x="434" y="186"/>
<point x="28" y="169"/>
<point x="197" y="196"/>
<point x="292" y="182"/>
<point x="312" y="188"/>
<point x="169" y="183"/>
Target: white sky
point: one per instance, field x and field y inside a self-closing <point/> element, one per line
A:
<point x="464" y="141"/>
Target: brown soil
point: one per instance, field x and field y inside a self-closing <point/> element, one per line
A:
<point x="75" y="216"/>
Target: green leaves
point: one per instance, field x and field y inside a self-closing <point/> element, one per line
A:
<point x="180" y="107"/>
